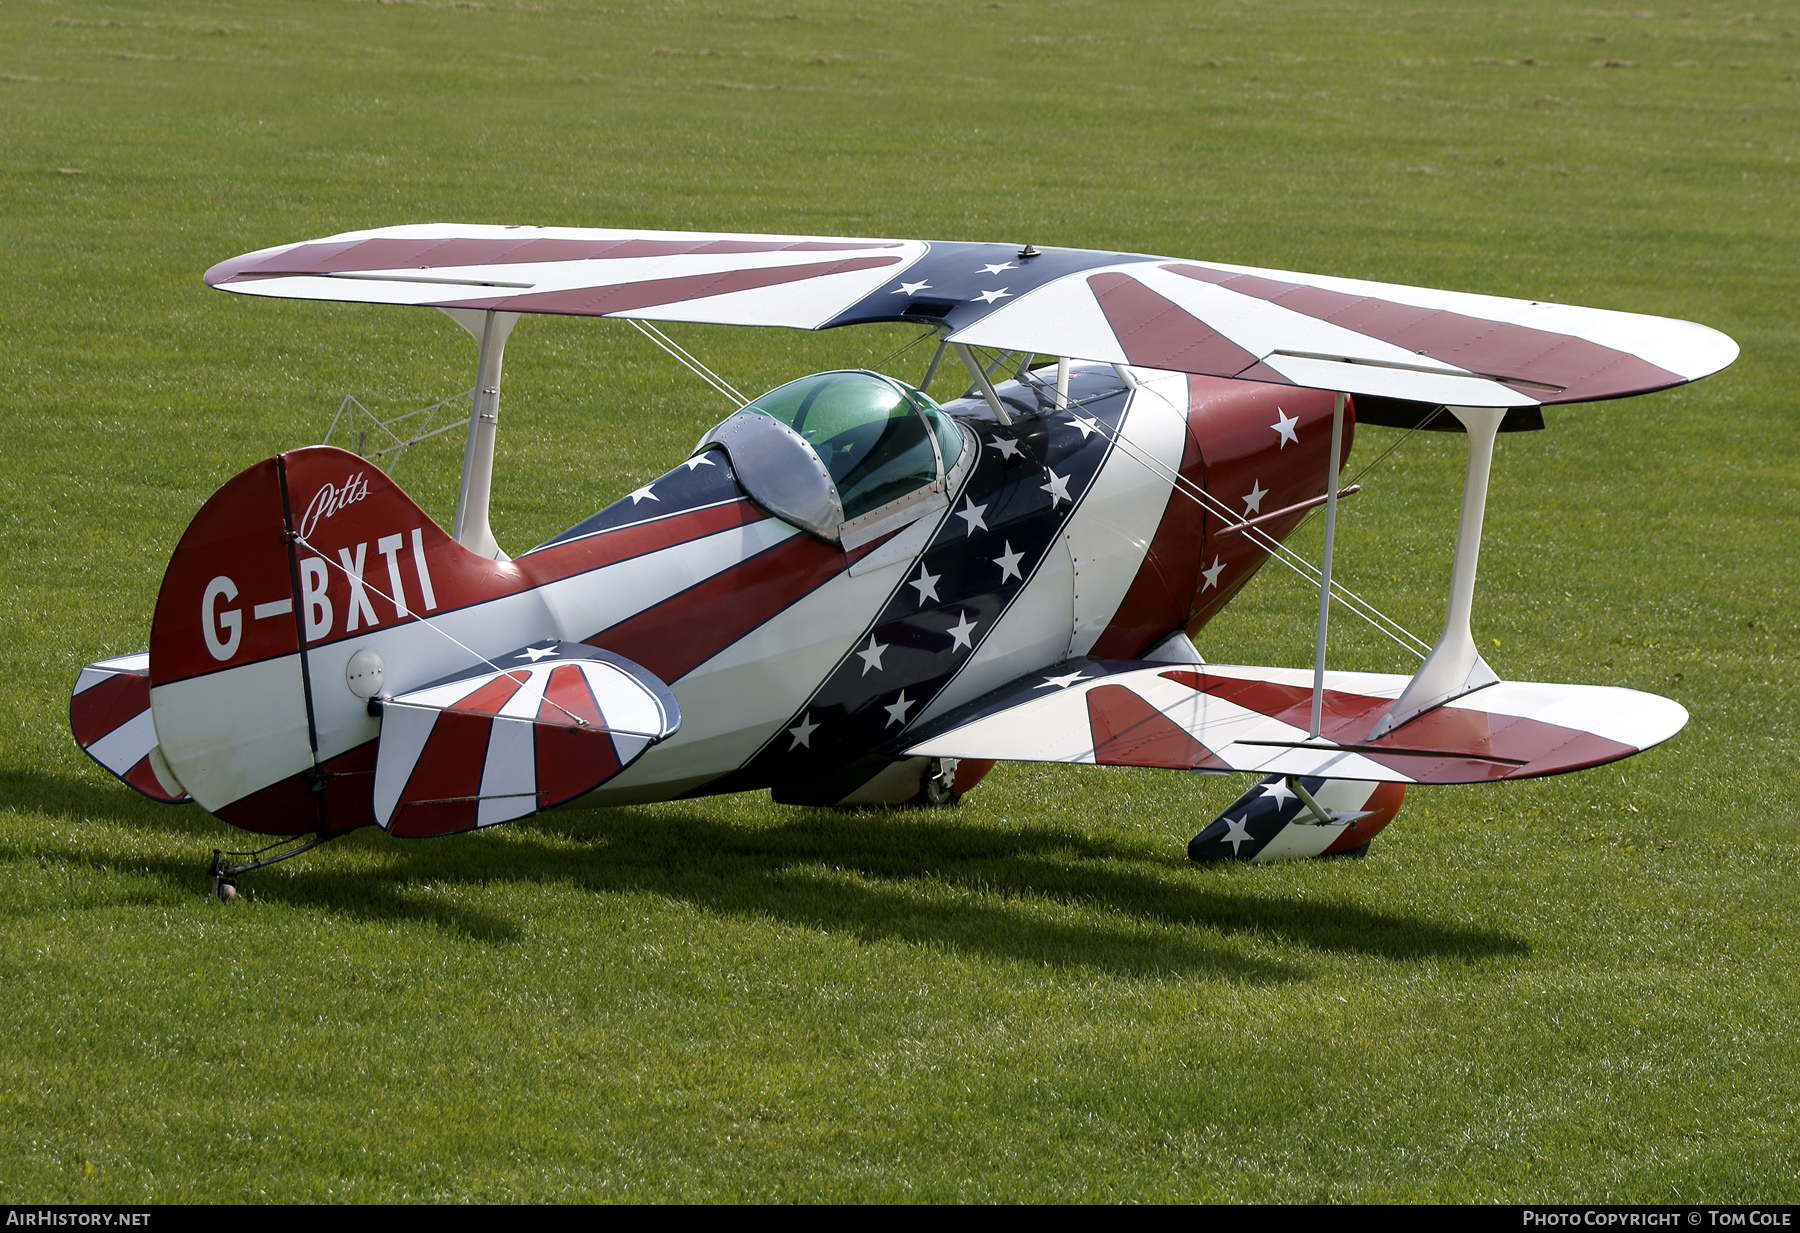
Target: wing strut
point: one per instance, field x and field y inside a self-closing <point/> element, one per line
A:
<point x="981" y="379"/>
<point x="1331" y="502"/>
<point x="1454" y="667"/>
<point x="470" y="529"/>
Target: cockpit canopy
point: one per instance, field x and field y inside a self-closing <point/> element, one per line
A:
<point x="846" y="455"/>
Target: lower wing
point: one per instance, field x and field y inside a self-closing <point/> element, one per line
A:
<point x="1225" y="718"/>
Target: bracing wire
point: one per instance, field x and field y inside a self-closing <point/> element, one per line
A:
<point x="901" y="350"/>
<point x="1380" y="458"/>
<point x="516" y="675"/>
<point x="1356" y="604"/>
<point x="681" y="356"/>
<point x="657" y="330"/>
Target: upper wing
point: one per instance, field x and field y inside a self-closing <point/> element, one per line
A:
<point x="797" y="281"/>
<point x="1276" y="326"/>
<point x="1217" y="718"/>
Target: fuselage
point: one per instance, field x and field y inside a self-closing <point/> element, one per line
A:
<point x="1069" y="535"/>
<point x="797" y="663"/>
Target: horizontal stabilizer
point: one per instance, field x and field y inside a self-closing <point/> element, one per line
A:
<point x="109" y="713"/>
<point x="1222" y="718"/>
<point x="529" y="730"/>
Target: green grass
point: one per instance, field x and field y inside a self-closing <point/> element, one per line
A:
<point x="1577" y="989"/>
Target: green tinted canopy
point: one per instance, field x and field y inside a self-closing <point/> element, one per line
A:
<point x="880" y="439"/>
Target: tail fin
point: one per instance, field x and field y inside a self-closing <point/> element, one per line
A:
<point x="291" y="567"/>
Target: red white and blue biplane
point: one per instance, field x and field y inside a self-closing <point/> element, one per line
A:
<point x="851" y="593"/>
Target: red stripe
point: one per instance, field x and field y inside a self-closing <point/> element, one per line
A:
<point x="492" y="696"/>
<point x="1585" y="370"/>
<point x="571" y="761"/>
<point x="1525" y="747"/>
<point x="1156" y="332"/>
<point x="107" y="706"/>
<point x="449" y="766"/>
<point x="1232" y="420"/>
<point x="577" y="556"/>
<point x="1128" y="731"/>
<point x="291" y="807"/>
<point x="684" y="631"/>
<point x="141" y="777"/>
<point x="628" y="297"/>
<point x="399" y="253"/>
<point x="1382" y="804"/>
<point x="567" y="699"/>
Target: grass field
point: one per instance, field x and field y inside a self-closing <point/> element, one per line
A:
<point x="1576" y="989"/>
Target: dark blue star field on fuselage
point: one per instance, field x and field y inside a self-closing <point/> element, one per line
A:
<point x="708" y="481"/>
<point x="858" y="707"/>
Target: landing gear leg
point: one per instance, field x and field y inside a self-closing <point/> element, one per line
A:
<point x="937" y="788"/>
<point x="225" y="866"/>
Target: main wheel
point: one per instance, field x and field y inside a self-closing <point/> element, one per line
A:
<point x="936" y="785"/>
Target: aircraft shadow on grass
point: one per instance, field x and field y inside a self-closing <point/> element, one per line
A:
<point x="877" y="876"/>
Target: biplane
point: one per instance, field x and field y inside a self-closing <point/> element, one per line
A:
<point x="854" y="592"/>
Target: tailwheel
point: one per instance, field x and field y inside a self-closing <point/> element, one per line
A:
<point x="226" y="866"/>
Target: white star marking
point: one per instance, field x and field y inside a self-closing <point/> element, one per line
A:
<point x="1008" y="447"/>
<point x="1063" y="682"/>
<point x="1236" y="832"/>
<point x="535" y="653"/>
<point x="1008" y="562"/>
<point x="897" y="712"/>
<point x="871" y="655"/>
<point x="802" y="733"/>
<point x="960" y="631"/>
<point x="1284" y="424"/>
<point x="1088" y="427"/>
<point x="972" y="513"/>
<point x="1253" y="498"/>
<point x="700" y="460"/>
<point x="644" y="494"/>
<point x="991" y="296"/>
<point x="1212" y="575"/>
<point x="927" y="584"/>
<point x="995" y="269"/>
<point x="1058" y="488"/>
<point x="911" y="288"/>
<point x="1279" y="790"/>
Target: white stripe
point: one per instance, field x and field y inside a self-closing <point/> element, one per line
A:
<point x="1297" y="842"/>
<point x="509" y="776"/>
<point x="404" y="731"/>
<point x="121" y="749"/>
<point x="1124" y="505"/>
<point x="137" y="664"/>
<point x="228" y="733"/>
